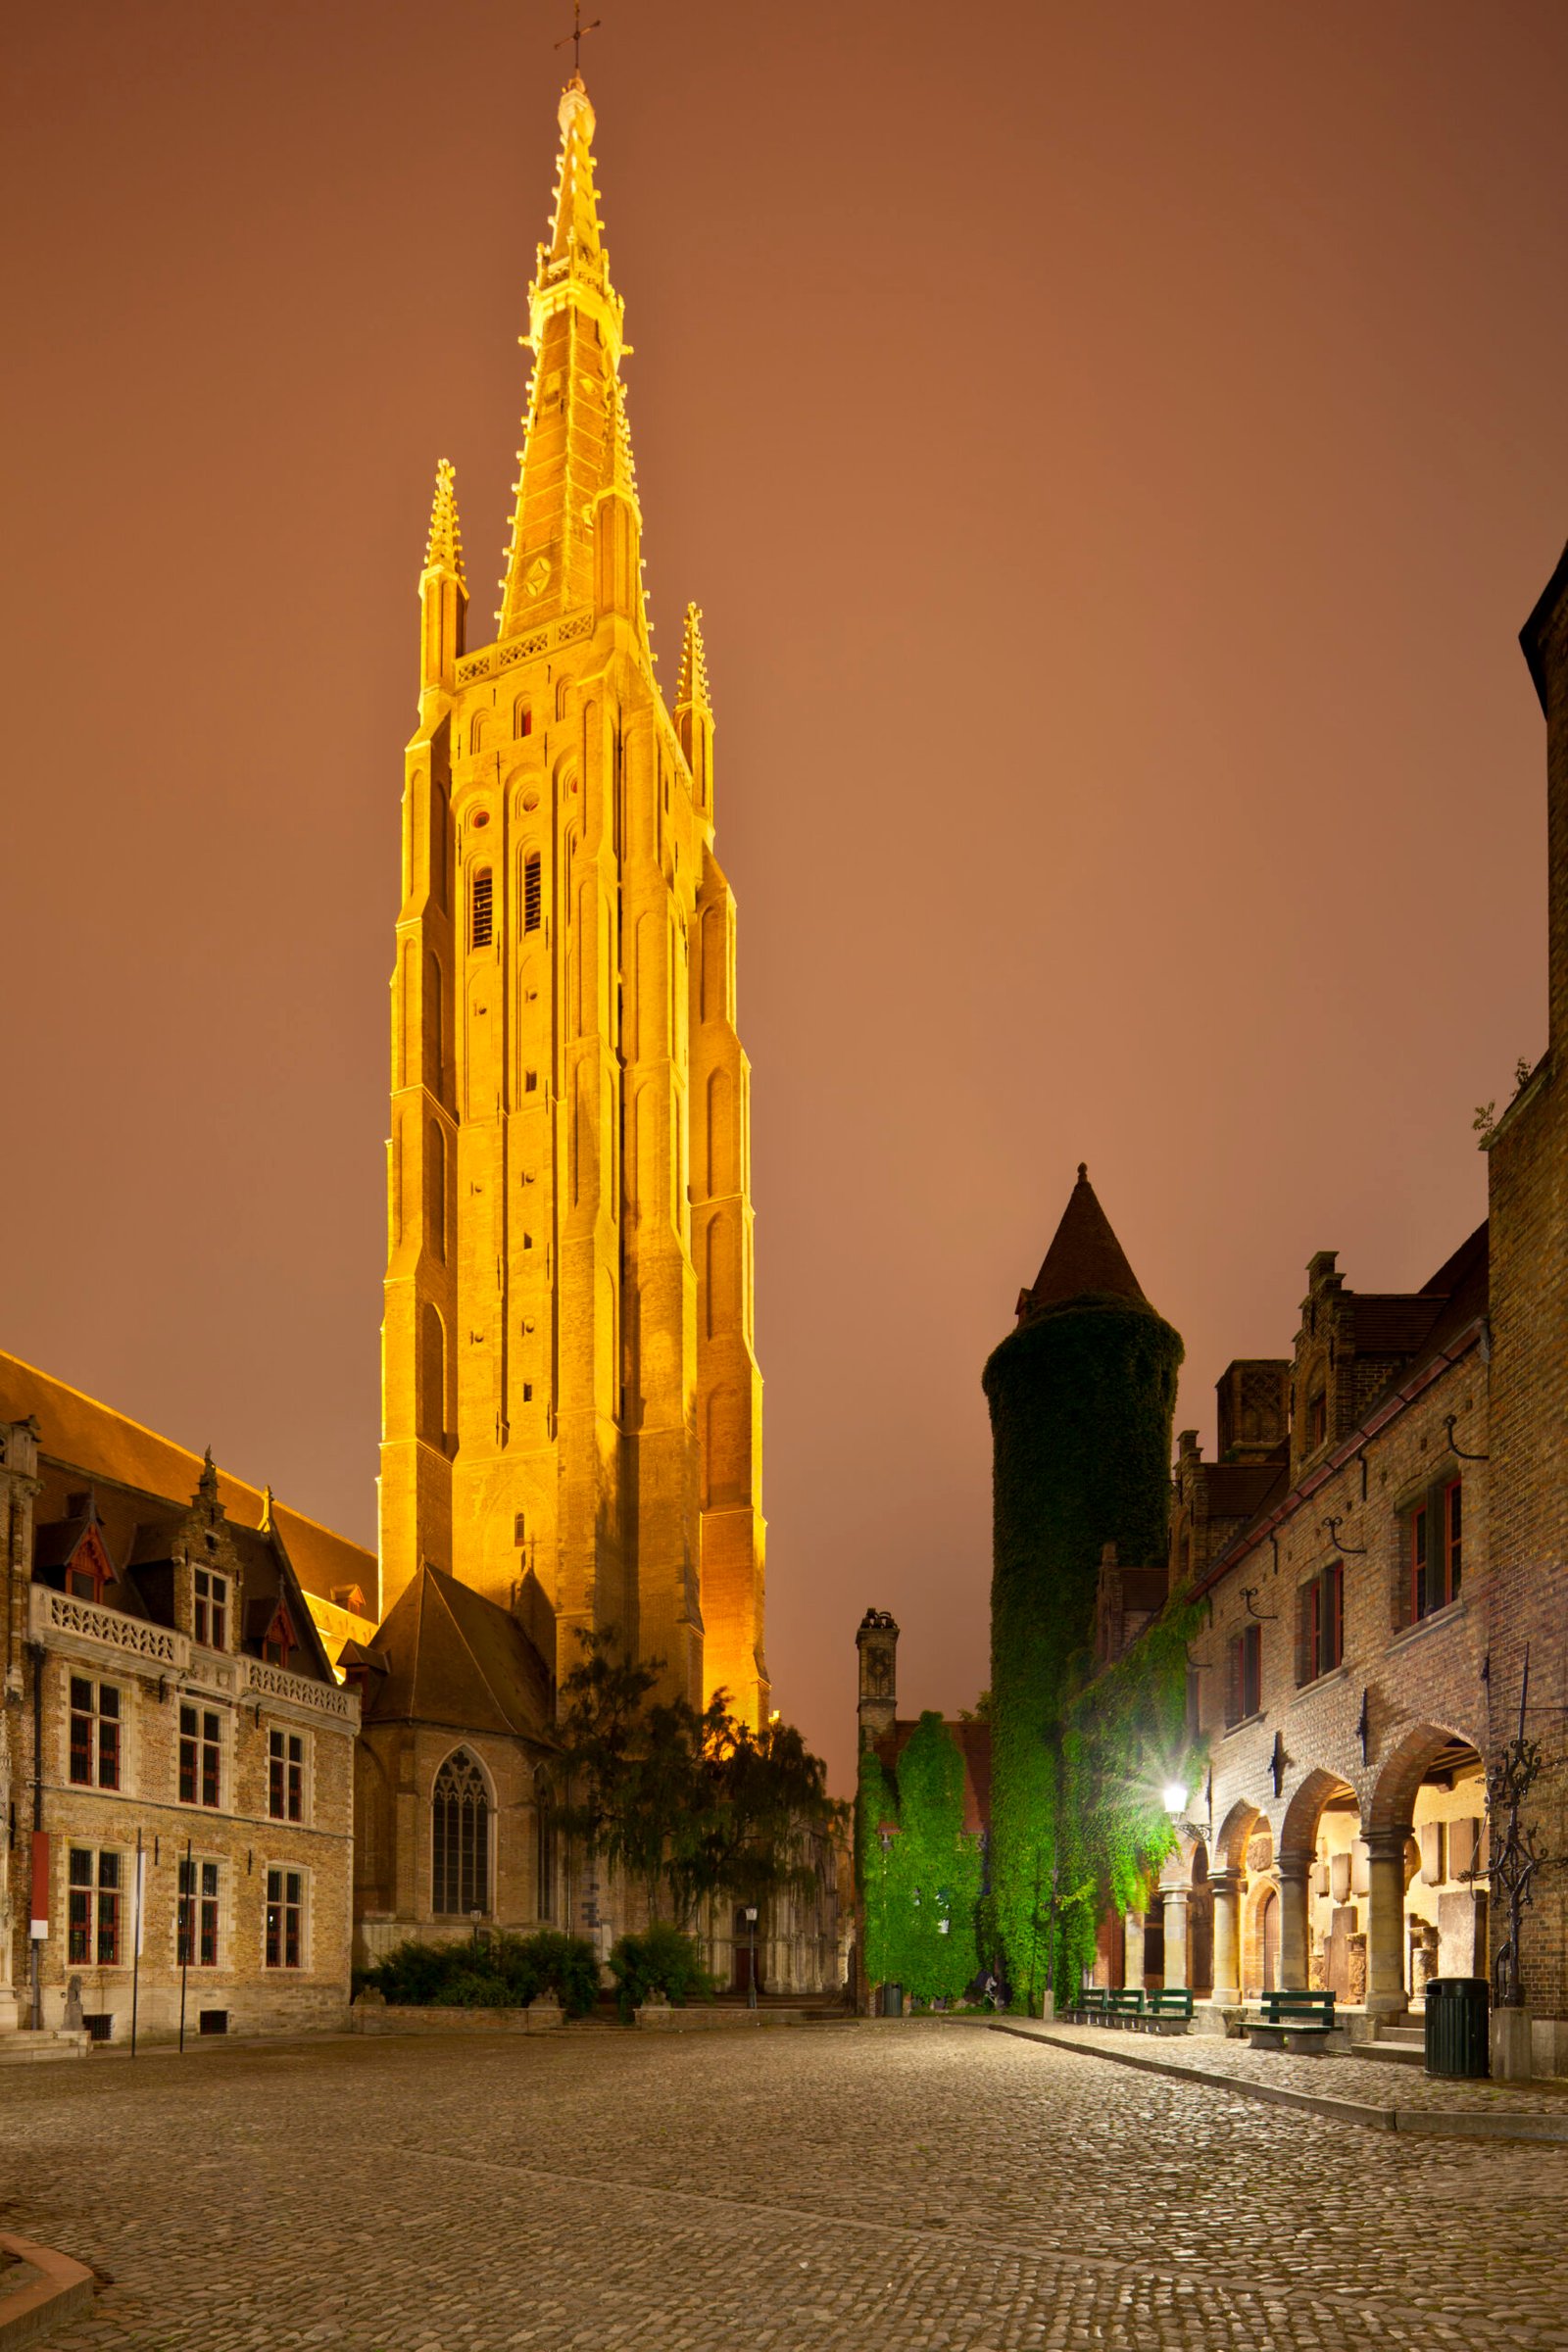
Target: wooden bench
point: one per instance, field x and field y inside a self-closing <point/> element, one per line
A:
<point x="1170" y="2010"/>
<point x="1290" y="2021"/>
<point x="1091" y="2004"/>
<point x="1124" y="2003"/>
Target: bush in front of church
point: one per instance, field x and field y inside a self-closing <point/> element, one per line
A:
<point x="492" y="1971"/>
<point x="660" y="1961"/>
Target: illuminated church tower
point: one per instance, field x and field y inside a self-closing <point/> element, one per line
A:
<point x="571" y="1409"/>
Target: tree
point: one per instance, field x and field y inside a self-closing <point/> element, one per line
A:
<point x="691" y="1804"/>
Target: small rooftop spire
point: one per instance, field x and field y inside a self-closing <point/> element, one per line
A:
<point x="1084" y="1257"/>
<point x="443" y="549"/>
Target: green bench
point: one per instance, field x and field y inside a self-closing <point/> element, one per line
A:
<point x="1290" y="2021"/>
<point x="1124" y="2001"/>
<point x="1091" y="2003"/>
<point x="1170" y="2010"/>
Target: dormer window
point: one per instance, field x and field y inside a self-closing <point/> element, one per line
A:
<point x="87" y="1575"/>
<point x="210" y="1629"/>
<point x="281" y="1639"/>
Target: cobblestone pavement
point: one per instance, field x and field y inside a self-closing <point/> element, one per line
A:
<point x="935" y="2187"/>
<point x="1331" y="2075"/>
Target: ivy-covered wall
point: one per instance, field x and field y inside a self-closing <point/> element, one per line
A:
<point x="920" y="1893"/>
<point x="1082" y="1397"/>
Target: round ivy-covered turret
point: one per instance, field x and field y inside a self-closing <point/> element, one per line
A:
<point x="1082" y="1396"/>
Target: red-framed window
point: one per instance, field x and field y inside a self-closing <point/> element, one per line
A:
<point x="201" y="1741"/>
<point x="94" y="1733"/>
<point x="1437" y="1550"/>
<point x="286" y="1776"/>
<point x="1453" y="1535"/>
<point x="196" y="1926"/>
<point x="1244" y="1682"/>
<point x="88" y="1573"/>
<point x="211" y="1626"/>
<point x="280" y="1639"/>
<point x="92" y="1909"/>
<point x="285" y="1918"/>
<point x="1320" y="1624"/>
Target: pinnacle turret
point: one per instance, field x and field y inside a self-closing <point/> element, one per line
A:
<point x="691" y="693"/>
<point x="443" y="549"/>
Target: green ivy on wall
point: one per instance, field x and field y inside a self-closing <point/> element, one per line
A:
<point x="920" y="1890"/>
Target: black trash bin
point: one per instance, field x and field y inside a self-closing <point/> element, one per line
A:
<point x="1456" y="2026"/>
<point x="893" y="2000"/>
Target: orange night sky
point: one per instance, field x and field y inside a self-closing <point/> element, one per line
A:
<point x="1114" y="451"/>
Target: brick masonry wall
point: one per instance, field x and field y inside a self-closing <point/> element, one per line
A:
<point x="1422" y="1683"/>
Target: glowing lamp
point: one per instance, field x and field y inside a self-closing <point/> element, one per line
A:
<point x="1175" y="1795"/>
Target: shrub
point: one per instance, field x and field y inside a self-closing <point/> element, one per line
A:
<point x="660" y="1960"/>
<point x="503" y="1972"/>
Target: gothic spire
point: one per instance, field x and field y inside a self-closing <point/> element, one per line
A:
<point x="577" y="445"/>
<point x="443" y="549"/>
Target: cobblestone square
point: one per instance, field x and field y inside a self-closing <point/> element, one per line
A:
<point x="928" y="2185"/>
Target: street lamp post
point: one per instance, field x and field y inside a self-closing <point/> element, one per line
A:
<point x="751" y="1972"/>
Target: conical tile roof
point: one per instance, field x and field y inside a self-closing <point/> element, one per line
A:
<point x="1084" y="1256"/>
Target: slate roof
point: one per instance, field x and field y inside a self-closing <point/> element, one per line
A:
<point x="452" y="1657"/>
<point x="139" y="1531"/>
<point x="95" y="1443"/>
<point x="1084" y="1256"/>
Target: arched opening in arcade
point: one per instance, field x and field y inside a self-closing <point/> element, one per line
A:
<point x="1429" y="1815"/>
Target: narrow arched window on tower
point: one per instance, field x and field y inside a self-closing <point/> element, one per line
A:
<point x="560" y="699"/>
<point x="436" y="1189"/>
<point x="531" y="891"/>
<point x="432" y="1377"/>
<point x="482" y="913"/>
<point x="459" y="1838"/>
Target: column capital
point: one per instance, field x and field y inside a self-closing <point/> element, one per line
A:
<point x="1388" y="1845"/>
<point x="1295" y="1868"/>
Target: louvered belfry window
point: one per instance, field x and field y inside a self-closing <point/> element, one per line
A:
<point x="531" y="891"/>
<point x="483" y="908"/>
<point x="459" y="1843"/>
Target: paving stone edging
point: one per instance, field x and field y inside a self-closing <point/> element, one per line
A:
<point x="62" y="2288"/>
<point x="1427" y="2122"/>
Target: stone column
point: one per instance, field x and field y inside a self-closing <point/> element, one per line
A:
<point x="1385" y="1932"/>
<point x="1132" y="1967"/>
<point x="1227" y="1889"/>
<point x="1294" y="1941"/>
<point x="1175" y="1898"/>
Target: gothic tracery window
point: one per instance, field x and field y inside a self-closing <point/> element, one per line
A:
<point x="460" y="1837"/>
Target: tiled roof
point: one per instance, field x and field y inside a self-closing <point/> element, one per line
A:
<point x="452" y="1657"/>
<point x="95" y="1442"/>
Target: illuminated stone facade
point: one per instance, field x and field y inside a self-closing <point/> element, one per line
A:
<point x="1381" y="1542"/>
<point x="571" y="1403"/>
<point x="170" y="1716"/>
